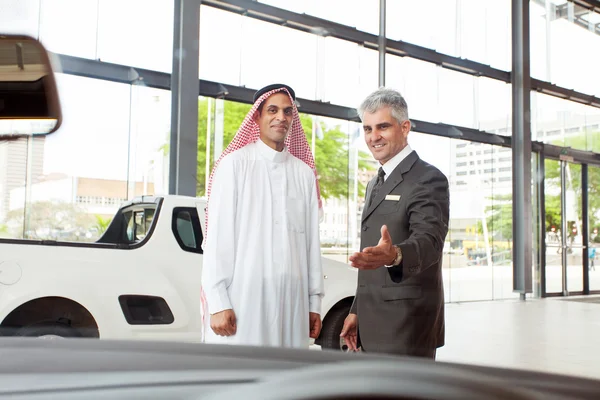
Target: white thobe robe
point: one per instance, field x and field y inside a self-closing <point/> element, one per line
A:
<point x="262" y="255"/>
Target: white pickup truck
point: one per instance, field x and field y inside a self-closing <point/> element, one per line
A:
<point x="140" y="280"/>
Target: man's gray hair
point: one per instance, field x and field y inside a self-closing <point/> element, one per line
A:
<point x="384" y="97"/>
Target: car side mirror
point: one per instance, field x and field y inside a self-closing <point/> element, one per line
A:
<point x="29" y="104"/>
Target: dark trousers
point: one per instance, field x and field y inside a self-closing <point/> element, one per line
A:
<point x="427" y="354"/>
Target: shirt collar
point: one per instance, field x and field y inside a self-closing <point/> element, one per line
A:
<point x="271" y="154"/>
<point x="393" y="162"/>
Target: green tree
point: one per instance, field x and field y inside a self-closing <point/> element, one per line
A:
<point x="332" y="151"/>
<point x="234" y="113"/>
<point x="102" y="224"/>
<point x="4" y="230"/>
<point x="499" y="218"/>
<point x="552" y="179"/>
<point x="499" y="215"/>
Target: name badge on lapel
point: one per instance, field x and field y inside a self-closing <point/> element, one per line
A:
<point x="393" y="197"/>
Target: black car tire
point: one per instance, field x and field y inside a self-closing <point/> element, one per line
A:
<point x="48" y="329"/>
<point x="332" y="327"/>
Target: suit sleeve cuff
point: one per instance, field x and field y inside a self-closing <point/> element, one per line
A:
<point x="314" y="304"/>
<point x="218" y="299"/>
<point x="354" y="307"/>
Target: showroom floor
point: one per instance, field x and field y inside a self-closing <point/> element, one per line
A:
<point x="559" y="335"/>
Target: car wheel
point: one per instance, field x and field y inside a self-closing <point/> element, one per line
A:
<point x="48" y="331"/>
<point x="332" y="327"/>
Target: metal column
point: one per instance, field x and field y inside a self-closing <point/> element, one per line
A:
<point x="183" y="151"/>
<point x="521" y="150"/>
<point x="563" y="225"/>
<point x="382" y="43"/>
<point x="540" y="289"/>
<point x="585" y="228"/>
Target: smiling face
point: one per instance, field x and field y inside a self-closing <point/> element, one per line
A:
<point x="384" y="134"/>
<point x="275" y="119"/>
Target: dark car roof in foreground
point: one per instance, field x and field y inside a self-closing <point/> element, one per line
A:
<point x="26" y="357"/>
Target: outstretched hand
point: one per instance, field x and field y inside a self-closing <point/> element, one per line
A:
<point x="374" y="257"/>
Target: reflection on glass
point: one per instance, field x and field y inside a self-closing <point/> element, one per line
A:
<point x="574" y="225"/>
<point x="437" y="94"/>
<point x="19" y="17"/>
<point x="478" y="30"/>
<point x="553" y="217"/>
<point x="218" y="121"/>
<point x="594" y="226"/>
<point x="347" y="72"/>
<point x="553" y="29"/>
<point x="569" y="242"/>
<point x="220" y="30"/>
<point x="361" y="14"/>
<point x="60" y="37"/>
<point x="138" y="33"/>
<point x="477" y="262"/>
<point x="68" y="186"/>
<point x="565" y="123"/>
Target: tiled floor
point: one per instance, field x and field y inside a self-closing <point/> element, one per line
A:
<point x="555" y="335"/>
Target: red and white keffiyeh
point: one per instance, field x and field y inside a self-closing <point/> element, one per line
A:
<point x="249" y="132"/>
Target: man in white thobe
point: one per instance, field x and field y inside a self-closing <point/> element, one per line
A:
<point x="262" y="278"/>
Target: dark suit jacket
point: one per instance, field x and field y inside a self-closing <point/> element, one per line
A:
<point x="401" y="309"/>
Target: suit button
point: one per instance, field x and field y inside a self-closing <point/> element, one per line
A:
<point x="364" y="228"/>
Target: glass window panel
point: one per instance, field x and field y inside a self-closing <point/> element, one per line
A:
<point x="418" y="83"/>
<point x="20" y="17"/>
<point x="574" y="225"/>
<point x="456" y="98"/>
<point x="473" y="29"/>
<point x="68" y="185"/>
<point x="70" y="27"/>
<point x="554" y="29"/>
<point x="486" y="32"/>
<point x="271" y="53"/>
<point x="494" y="106"/>
<point x="417" y="22"/>
<point x="361" y="14"/>
<point x="436" y="94"/>
<point x="220" y="30"/>
<point x="565" y="123"/>
<point x="337" y="157"/>
<point x="84" y="123"/>
<point x="138" y="33"/>
<point x="499" y="220"/>
<point x="258" y="53"/>
<point x="216" y="119"/>
<point x="150" y="124"/>
<point x="471" y="189"/>
<point x="553" y="226"/>
<point x="594" y="226"/>
<point x="14" y="166"/>
<point x="347" y="72"/>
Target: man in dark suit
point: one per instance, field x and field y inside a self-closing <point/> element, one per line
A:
<point x="399" y="303"/>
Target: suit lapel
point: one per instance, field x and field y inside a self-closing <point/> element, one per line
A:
<point x="368" y="195"/>
<point x="390" y="183"/>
